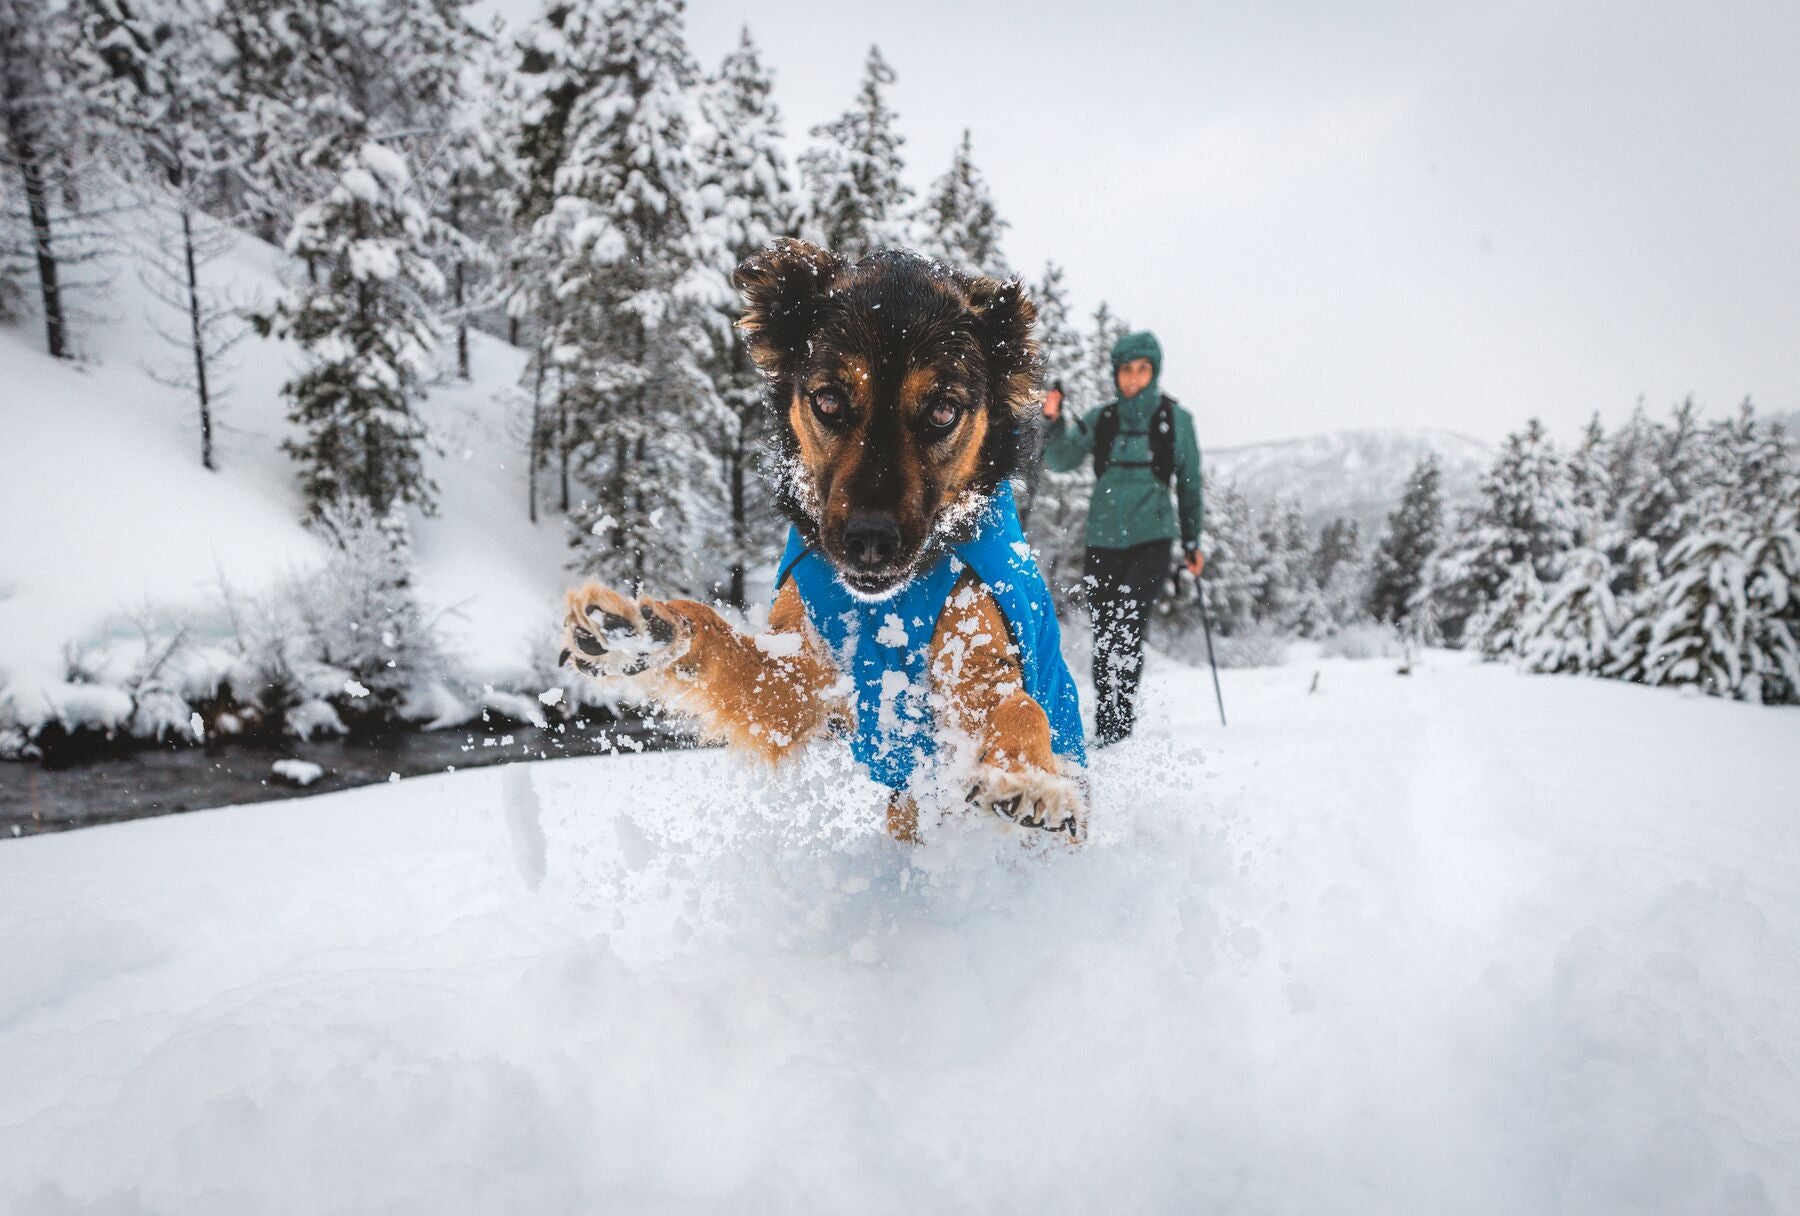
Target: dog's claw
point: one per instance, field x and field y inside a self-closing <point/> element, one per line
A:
<point x="618" y="636"/>
<point x="1042" y="801"/>
<point x="662" y="631"/>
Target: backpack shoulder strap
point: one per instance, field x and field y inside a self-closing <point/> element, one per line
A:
<point x="1162" y="439"/>
<point x="1106" y="430"/>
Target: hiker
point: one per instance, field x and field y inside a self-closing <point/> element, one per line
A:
<point x="1143" y="446"/>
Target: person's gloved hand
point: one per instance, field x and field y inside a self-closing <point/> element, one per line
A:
<point x="1196" y="560"/>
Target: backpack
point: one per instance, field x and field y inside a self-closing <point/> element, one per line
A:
<point x="1162" y="440"/>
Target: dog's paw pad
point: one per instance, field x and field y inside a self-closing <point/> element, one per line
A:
<point x="1032" y="798"/>
<point x="606" y="634"/>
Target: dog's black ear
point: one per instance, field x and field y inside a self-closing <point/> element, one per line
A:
<point x="1004" y="315"/>
<point x="783" y="286"/>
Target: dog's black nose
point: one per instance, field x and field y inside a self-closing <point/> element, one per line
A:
<point x="872" y="539"/>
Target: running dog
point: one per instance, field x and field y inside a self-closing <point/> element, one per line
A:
<point x="908" y="611"/>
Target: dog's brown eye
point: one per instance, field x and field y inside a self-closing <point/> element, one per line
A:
<point x="943" y="415"/>
<point x="828" y="403"/>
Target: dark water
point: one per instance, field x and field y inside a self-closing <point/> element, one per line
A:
<point x="164" y="781"/>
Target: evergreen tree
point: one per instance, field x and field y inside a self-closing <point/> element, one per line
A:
<point x="365" y="322"/>
<point x="1338" y="572"/>
<point x="1414" y="530"/>
<point x="560" y="59"/>
<point x="1290" y="599"/>
<point x="958" y="224"/>
<point x="1237" y="560"/>
<point x="1772" y="592"/>
<point x="301" y="77"/>
<point x="1059" y="349"/>
<point x="1526" y="519"/>
<point x="747" y="201"/>
<point x="43" y="225"/>
<point x="856" y="198"/>
<point x="1701" y="633"/>
<point x="1577" y="629"/>
<point x="632" y="288"/>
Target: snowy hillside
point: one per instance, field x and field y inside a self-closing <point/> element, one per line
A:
<point x="1356" y="473"/>
<point x="103" y="463"/>
<point x="1468" y="941"/>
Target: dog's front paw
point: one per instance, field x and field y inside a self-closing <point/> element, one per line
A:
<point x="1032" y="798"/>
<point x="606" y="634"/>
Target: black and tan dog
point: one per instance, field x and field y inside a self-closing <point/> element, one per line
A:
<point x="899" y="389"/>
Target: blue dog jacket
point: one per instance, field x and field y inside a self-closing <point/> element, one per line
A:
<point x="884" y="645"/>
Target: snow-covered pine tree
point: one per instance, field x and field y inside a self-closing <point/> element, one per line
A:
<point x="1055" y="505"/>
<point x="1525" y="518"/>
<point x="1290" y="599"/>
<point x="1576" y="629"/>
<point x="1772" y="592"/>
<point x="146" y="68"/>
<point x="957" y="223"/>
<point x="1096" y="385"/>
<point x="1340" y="573"/>
<point x="633" y="289"/>
<point x="1700" y="634"/>
<point x="747" y="201"/>
<point x="1414" y="530"/>
<point x="44" y="224"/>
<point x="297" y="77"/>
<point x="366" y="324"/>
<point x="557" y="61"/>
<point x="857" y="201"/>
<point x="1237" y="559"/>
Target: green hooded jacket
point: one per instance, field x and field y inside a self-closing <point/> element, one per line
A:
<point x="1130" y="506"/>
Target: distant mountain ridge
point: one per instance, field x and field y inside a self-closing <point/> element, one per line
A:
<point x="1358" y="474"/>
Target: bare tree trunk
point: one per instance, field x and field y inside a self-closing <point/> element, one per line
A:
<point x="536" y="442"/>
<point x="37" y="204"/>
<point x="462" y="323"/>
<point x="562" y="444"/>
<point x="740" y="526"/>
<point x="195" y="327"/>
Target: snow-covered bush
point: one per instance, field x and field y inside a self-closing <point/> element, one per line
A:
<point x="1363" y="640"/>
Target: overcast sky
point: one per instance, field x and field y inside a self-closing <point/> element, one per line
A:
<point x="1344" y="215"/>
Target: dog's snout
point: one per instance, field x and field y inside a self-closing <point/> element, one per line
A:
<point x="872" y="539"/>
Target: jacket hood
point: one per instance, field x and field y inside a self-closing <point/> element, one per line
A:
<point x="1140" y="344"/>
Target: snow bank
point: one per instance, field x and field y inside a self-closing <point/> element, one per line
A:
<point x="1467" y="941"/>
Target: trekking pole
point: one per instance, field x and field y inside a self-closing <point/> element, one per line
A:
<point x="1206" y="624"/>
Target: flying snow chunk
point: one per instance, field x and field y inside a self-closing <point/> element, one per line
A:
<point x="356" y="690"/>
<point x="603" y="525"/>
<point x="299" y="772"/>
<point x="892" y="632"/>
<point x="551" y="696"/>
<point x="197" y="728"/>
<point x="779" y="645"/>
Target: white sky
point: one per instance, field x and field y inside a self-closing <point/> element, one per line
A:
<point x="1344" y="215"/>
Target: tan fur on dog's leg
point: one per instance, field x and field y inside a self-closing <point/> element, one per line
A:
<point x="768" y="698"/>
<point x="976" y="670"/>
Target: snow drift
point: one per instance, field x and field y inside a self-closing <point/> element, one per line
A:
<point x="1466" y="941"/>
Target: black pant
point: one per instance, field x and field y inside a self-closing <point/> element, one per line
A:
<point x="1123" y="587"/>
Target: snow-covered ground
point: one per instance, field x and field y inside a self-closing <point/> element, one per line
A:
<point x="110" y="511"/>
<point x="1465" y="941"/>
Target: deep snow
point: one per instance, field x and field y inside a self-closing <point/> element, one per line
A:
<point x="1466" y="941"/>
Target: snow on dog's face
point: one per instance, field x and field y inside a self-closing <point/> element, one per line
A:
<point x="899" y="387"/>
